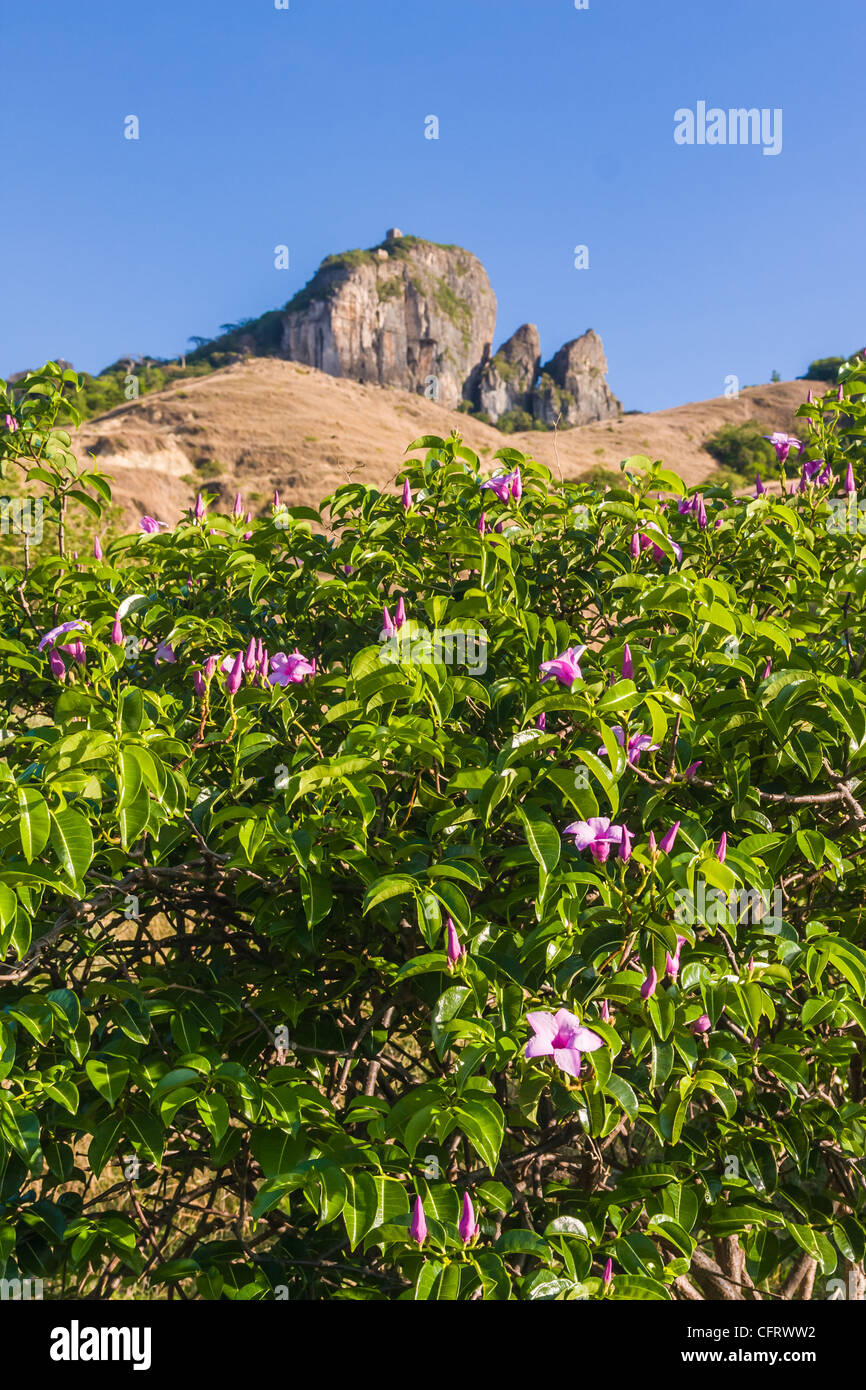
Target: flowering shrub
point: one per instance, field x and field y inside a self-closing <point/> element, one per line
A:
<point x="323" y="976"/>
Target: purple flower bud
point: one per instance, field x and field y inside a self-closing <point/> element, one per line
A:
<point x="608" y="1274"/>
<point x="210" y="666"/>
<point x="635" y="546"/>
<point x="701" y="512"/>
<point x="97" y="549"/>
<point x="723" y="847"/>
<point x="198" y="510"/>
<point x="605" y="1011"/>
<point x="692" y="768"/>
<point x="652" y="845"/>
<point x="116" y="637"/>
<point x="407" y="503"/>
<point x="516" y="485"/>
<point x="12" y="423"/>
<point x="648" y="988"/>
<point x="625" y="843"/>
<point x="627" y="663"/>
<point x="810" y="398"/>
<point x="666" y="843"/>
<point x="455" y="949"/>
<point x="198" y="684"/>
<point x="468" y="1227"/>
<point x="541" y="721"/>
<point x="767" y="669"/>
<point x="235" y="675"/>
<point x="701" y="1025"/>
<point x="400" y="614"/>
<point x="482" y="523"/>
<point x="276" y="498"/>
<point x="55" y="662"/>
<point x="418" y="1225"/>
<point x="840" y="395"/>
<point x="759" y="486"/>
<point x="238" y="506"/>
<point x="250" y="657"/>
<point x="850" y="485"/>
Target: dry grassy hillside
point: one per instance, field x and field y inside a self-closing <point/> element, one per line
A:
<point x="266" y="423"/>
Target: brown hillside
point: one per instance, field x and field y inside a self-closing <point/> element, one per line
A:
<point x="265" y="423"/>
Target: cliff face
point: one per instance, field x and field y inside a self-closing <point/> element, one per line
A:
<point x="573" y="385"/>
<point x="506" y="382"/>
<point x="409" y="314"/>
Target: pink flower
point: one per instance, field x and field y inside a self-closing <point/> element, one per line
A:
<point x="637" y="744"/>
<point x="418" y="1224"/>
<point x="648" y="988"/>
<point x="198" y="684"/>
<point x="541" y="721"/>
<point x="767" y="669"/>
<point x="238" y="507"/>
<point x="482" y="523"/>
<point x="407" y="496"/>
<point x="759" y="486"/>
<point x="723" y="847"/>
<point x="164" y="652"/>
<point x="607" y="1277"/>
<point x="605" y="1011"/>
<point x="505" y="486"/>
<point x="701" y="1025"/>
<point x="150" y="525"/>
<point x="692" y="768"/>
<point x="624" y="852"/>
<point x="55" y="662"/>
<point x="97" y="549"/>
<point x="235" y="675"/>
<point x="646" y="540"/>
<point x="666" y="843"/>
<point x="455" y="949"/>
<point x="634" y="546"/>
<point x="597" y="835"/>
<point x="198" y="510"/>
<point x="53" y="633"/>
<point x="400" y="614"/>
<point x="250" y="656"/>
<point x="116" y="636"/>
<point x="75" y="649"/>
<point x="468" y="1227"/>
<point x="627" y="663"/>
<point x="290" y="670"/>
<point x="11" y="424"/>
<point x="563" y="1037"/>
<point x="783" y="444"/>
<point x="565" y="668"/>
<point x="850" y="485"/>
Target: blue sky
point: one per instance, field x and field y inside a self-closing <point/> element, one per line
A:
<point x="305" y="127"/>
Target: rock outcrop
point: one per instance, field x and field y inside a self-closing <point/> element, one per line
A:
<point x="408" y="313"/>
<point x="573" y="385"/>
<point x="506" y="383"/>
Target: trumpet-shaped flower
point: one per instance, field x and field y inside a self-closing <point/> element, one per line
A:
<point x="627" y="663"/>
<point x="566" y="668"/>
<point x="290" y="670"/>
<point x="637" y="744"/>
<point x="562" y="1037"/>
<point x="648" y="988"/>
<point x="164" y="652"/>
<point x="597" y="835"/>
<point x="50" y="637"/>
<point x="783" y="444"/>
<point x="150" y="525"/>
